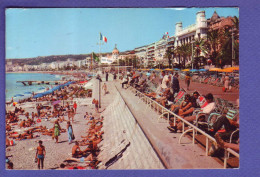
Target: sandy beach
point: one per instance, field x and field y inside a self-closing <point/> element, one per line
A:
<point x="22" y="153"/>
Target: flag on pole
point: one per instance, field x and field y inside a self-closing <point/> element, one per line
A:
<point x="100" y="35"/>
<point x="104" y="39"/>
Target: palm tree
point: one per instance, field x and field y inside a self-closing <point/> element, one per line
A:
<point x="200" y="50"/>
<point x="177" y="51"/>
<point x="169" y="53"/>
<point x="185" y="51"/>
<point x="236" y="38"/>
<point x="213" y="42"/>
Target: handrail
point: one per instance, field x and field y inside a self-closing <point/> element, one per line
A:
<point x="193" y="127"/>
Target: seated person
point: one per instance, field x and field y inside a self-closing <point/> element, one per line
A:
<point x="224" y="144"/>
<point x="125" y="81"/>
<point x="167" y="96"/>
<point x="185" y="104"/>
<point x="76" y="152"/>
<point x="86" y="116"/>
<point x="8" y="127"/>
<point x="157" y="94"/>
<point x="22" y="124"/>
<point x="7" y="142"/>
<point x="203" y="115"/>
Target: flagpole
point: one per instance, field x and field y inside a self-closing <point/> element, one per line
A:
<point x="99" y="50"/>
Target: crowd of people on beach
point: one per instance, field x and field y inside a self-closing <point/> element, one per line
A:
<point x="23" y="123"/>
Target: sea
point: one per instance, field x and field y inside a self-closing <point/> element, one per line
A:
<point x="18" y="91"/>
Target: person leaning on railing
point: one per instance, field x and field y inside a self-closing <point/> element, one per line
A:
<point x="203" y="114"/>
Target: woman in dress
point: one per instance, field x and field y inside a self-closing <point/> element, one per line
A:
<point x="226" y="83"/>
<point x="70" y="131"/>
<point x="56" y="130"/>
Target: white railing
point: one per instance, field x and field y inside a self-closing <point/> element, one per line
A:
<point x="156" y="106"/>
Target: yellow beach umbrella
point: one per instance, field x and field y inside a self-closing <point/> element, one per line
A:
<point x="186" y="70"/>
<point x="215" y="69"/>
<point x="168" y="69"/>
<point x="157" y="69"/>
<point x="230" y="69"/>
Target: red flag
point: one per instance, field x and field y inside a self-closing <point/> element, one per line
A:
<point x="104" y="39"/>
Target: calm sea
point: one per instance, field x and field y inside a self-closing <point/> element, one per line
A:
<point x="12" y="88"/>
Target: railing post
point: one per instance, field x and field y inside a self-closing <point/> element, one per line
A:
<point x="207" y="145"/>
<point x="193" y="134"/>
<point x="225" y="158"/>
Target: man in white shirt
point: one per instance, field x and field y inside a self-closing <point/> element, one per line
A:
<point x="164" y="81"/>
<point x="204" y="112"/>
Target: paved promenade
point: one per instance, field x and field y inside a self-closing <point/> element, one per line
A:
<point x="177" y="156"/>
<point x="215" y="90"/>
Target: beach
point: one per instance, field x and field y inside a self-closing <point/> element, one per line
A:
<point x="23" y="153"/>
<point x="24" y="149"/>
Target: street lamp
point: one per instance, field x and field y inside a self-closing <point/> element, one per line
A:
<point x="192" y="53"/>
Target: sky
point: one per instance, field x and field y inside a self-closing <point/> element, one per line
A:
<point x="34" y="32"/>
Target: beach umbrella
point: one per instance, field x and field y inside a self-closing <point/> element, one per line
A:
<point x="157" y="69"/>
<point x="176" y="69"/>
<point x="185" y="69"/>
<point x="230" y="69"/>
<point x="18" y="95"/>
<point x="236" y="68"/>
<point x="168" y="69"/>
<point x="193" y="70"/>
<point x="215" y="69"/>
<point x="227" y="70"/>
<point x="27" y="92"/>
<point x="152" y="69"/>
<point x="202" y="70"/>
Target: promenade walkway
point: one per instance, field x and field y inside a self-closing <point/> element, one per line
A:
<point x="176" y="156"/>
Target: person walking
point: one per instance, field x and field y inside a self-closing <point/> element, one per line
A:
<point x="56" y="130"/>
<point x="175" y="83"/>
<point x="106" y="76"/>
<point x="70" y="132"/>
<point x="40" y="154"/>
<point x="105" y="88"/>
<point x="75" y="107"/>
<point x="187" y="80"/>
<point x="226" y="82"/>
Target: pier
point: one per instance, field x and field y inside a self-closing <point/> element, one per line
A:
<point x="25" y="83"/>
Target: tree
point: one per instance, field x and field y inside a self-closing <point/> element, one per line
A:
<point x="169" y="55"/>
<point x="213" y="42"/>
<point x="200" y="49"/>
<point x="236" y="38"/>
<point x="177" y="51"/>
<point x="185" y="51"/>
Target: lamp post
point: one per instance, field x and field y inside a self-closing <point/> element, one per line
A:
<point x="192" y="54"/>
<point x="233" y="54"/>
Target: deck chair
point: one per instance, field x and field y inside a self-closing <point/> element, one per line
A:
<point x="213" y="117"/>
<point x="180" y="97"/>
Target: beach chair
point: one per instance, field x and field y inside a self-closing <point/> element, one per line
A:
<point x="213" y="117"/>
<point x="180" y="97"/>
<point x="215" y="81"/>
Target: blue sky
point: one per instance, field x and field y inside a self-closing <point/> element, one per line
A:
<point x="59" y="31"/>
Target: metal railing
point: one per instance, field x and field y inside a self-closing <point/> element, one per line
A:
<point x="157" y="107"/>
